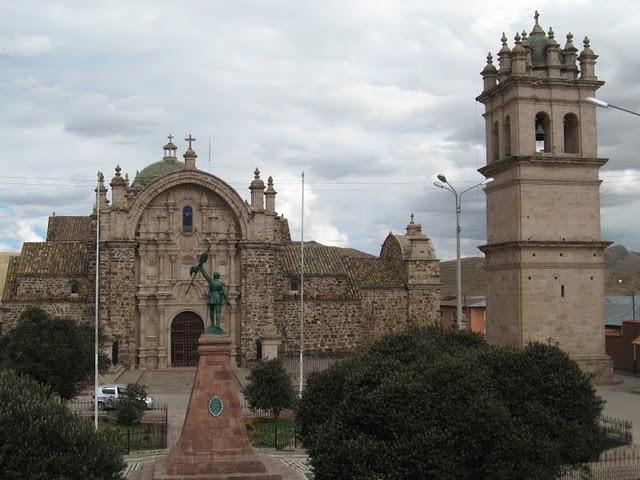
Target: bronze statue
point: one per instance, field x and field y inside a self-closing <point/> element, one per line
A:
<point x="217" y="294"/>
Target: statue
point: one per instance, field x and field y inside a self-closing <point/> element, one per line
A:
<point x="217" y="294"/>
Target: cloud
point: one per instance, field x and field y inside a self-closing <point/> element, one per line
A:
<point x="25" y="45"/>
<point x="370" y="99"/>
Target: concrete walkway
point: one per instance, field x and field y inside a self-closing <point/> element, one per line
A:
<point x="623" y="401"/>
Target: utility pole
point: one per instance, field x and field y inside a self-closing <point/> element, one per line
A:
<point x="97" y="301"/>
<point x="302" y="290"/>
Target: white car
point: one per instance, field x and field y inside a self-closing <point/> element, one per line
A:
<point x="108" y="394"/>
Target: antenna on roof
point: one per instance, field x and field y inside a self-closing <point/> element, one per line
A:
<point x="209" y="154"/>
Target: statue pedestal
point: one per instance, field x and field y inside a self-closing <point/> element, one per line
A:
<point x="214" y="444"/>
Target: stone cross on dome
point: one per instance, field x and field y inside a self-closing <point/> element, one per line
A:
<point x="189" y="139"/>
<point x="170" y="137"/>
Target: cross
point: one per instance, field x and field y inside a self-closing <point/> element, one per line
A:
<point x="411" y="217"/>
<point x="536" y="16"/>
<point x="189" y="139"/>
<point x="170" y="137"/>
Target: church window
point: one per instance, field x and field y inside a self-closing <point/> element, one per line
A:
<point x="294" y="285"/>
<point x="75" y="289"/>
<point x="571" y="140"/>
<point x="543" y="132"/>
<point x="495" y="142"/>
<point x="562" y="290"/>
<point x="506" y="136"/>
<point x="187" y="219"/>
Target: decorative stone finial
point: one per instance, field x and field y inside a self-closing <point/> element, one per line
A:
<point x="524" y="35"/>
<point x="256" y="173"/>
<point x="503" y="39"/>
<point x="100" y="177"/>
<point x="489" y="59"/>
<point x="569" y="45"/>
<point x="270" y="180"/>
<point x="118" y="169"/>
<point x="551" y="34"/>
<point x="586" y="42"/>
<point x="413" y="228"/>
<point x="517" y="38"/>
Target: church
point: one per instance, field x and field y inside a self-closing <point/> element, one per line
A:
<point x="151" y="232"/>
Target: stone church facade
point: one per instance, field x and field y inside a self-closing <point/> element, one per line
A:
<point x="152" y="231"/>
<point x="544" y="253"/>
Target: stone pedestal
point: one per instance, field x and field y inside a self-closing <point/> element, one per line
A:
<point x="214" y="444"/>
<point x="270" y="341"/>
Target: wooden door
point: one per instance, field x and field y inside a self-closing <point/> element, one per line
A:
<point x="185" y="331"/>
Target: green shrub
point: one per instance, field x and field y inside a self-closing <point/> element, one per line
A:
<point x="40" y="439"/>
<point x="54" y="351"/>
<point x="270" y="388"/>
<point x="430" y="403"/>
<point x="130" y="406"/>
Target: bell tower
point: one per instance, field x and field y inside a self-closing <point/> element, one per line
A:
<point x="544" y="255"/>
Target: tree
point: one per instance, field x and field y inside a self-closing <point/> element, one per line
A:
<point x="54" y="351"/>
<point x="41" y="439"/>
<point x="430" y="403"/>
<point x="269" y="387"/>
<point x="130" y="406"/>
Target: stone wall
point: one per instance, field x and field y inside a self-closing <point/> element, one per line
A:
<point x="258" y="265"/>
<point x="329" y="325"/>
<point x="384" y="311"/>
<point x="117" y="297"/>
<point x="81" y="312"/>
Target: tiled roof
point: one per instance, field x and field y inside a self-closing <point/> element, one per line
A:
<point x="370" y="273"/>
<point x="318" y="260"/>
<point x="362" y="270"/>
<point x="70" y="229"/>
<point x="10" y="283"/>
<point x="53" y="258"/>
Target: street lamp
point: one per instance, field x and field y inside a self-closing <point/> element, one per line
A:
<point x="445" y="185"/>
<point x="601" y="103"/>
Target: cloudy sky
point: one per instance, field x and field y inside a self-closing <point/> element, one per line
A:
<point x="371" y="99"/>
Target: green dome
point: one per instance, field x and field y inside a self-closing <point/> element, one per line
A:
<point x="158" y="169"/>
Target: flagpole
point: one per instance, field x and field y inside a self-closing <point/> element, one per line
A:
<point x="95" y="359"/>
<point x="302" y="289"/>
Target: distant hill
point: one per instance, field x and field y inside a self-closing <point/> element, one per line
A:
<point x="621" y="264"/>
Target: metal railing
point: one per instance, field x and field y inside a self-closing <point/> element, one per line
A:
<point x="150" y="434"/>
<point x="621" y="464"/>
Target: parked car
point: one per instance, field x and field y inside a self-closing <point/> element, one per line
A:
<point x="108" y="394"/>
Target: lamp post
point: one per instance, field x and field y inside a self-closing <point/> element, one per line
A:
<point x="601" y="103"/>
<point x="445" y="185"/>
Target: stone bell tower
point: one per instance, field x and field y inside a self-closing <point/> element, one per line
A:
<point x="544" y="254"/>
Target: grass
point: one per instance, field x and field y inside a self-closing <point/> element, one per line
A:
<point x="146" y="436"/>
<point x="270" y="433"/>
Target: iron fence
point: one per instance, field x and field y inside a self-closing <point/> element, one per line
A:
<point x="623" y="464"/>
<point x="314" y="362"/>
<point x="150" y="434"/>
<point x="617" y="430"/>
<point x="278" y="434"/>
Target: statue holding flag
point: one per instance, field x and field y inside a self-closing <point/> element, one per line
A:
<point x="217" y="294"/>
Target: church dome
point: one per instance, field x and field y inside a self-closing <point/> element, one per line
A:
<point x="156" y="170"/>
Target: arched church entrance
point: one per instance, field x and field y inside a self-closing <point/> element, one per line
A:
<point x="186" y="328"/>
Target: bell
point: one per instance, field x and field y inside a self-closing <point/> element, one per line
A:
<point x="539" y="132"/>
